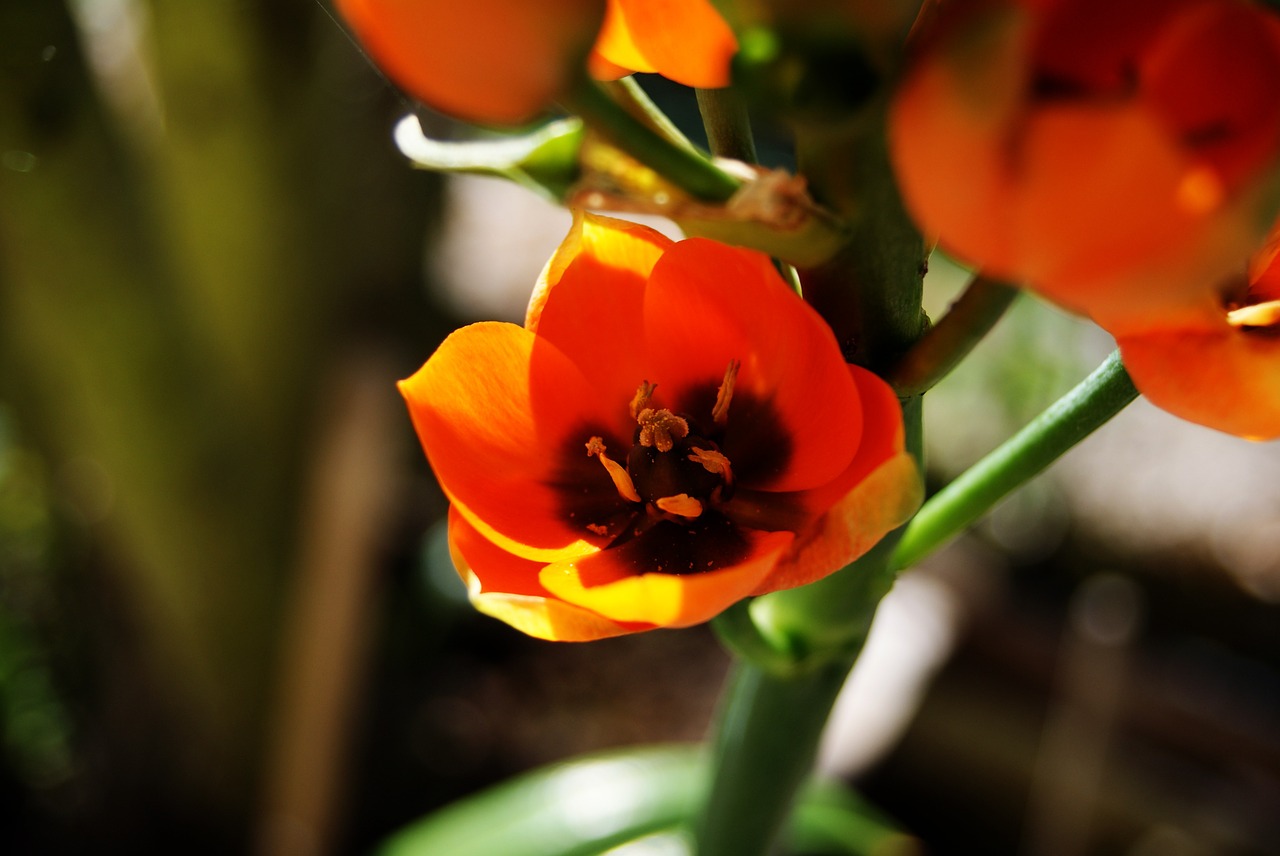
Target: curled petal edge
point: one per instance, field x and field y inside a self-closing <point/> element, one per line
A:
<point x="669" y="600"/>
<point x="540" y="616"/>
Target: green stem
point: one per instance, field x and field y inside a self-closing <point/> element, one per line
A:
<point x="777" y="705"/>
<point x="724" y="116"/>
<point x="627" y="92"/>
<point x="1069" y="420"/>
<point x="768" y="738"/>
<point x="775" y="710"/>
<point x="969" y="319"/>
<point x="685" y="168"/>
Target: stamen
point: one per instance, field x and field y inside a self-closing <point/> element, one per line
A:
<point x="681" y="504"/>
<point x="713" y="462"/>
<point x="1258" y="315"/>
<point x="621" y="479"/>
<point x="661" y="428"/>
<point x="720" y="413"/>
<point x="641" y="400"/>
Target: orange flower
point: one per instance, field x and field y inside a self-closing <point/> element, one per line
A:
<point x="1220" y="366"/>
<point x="1114" y="156"/>
<point x="481" y="60"/>
<point x="503" y="61"/>
<point x="684" y="40"/>
<point x="672" y="430"/>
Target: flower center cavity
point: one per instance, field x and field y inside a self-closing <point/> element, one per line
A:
<point x="675" y="468"/>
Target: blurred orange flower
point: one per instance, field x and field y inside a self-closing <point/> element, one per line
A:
<point x="1220" y="366"/>
<point x="684" y="40"/>
<point x="672" y="430"/>
<point x="1115" y="156"/>
<point x="481" y="60"/>
<point x="504" y="62"/>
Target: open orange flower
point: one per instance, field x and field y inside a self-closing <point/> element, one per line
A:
<point x="504" y="61"/>
<point x="672" y="430"/>
<point x="1220" y="366"/>
<point x="1116" y="157"/>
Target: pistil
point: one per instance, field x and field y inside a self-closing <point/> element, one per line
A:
<point x="661" y="428"/>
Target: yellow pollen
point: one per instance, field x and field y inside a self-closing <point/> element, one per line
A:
<point x="641" y="400"/>
<point x="598" y="528"/>
<point x="621" y="479"/>
<point x="1259" y="315"/>
<point x="681" y="504"/>
<point x="720" y="413"/>
<point x="713" y="462"/>
<point x="661" y="428"/>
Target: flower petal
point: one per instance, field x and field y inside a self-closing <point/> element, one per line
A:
<point x="708" y="303"/>
<point x="684" y="40"/>
<point x="483" y="60"/>
<point x="947" y="126"/>
<point x="506" y="587"/>
<point x="1168" y="231"/>
<point x="589" y="302"/>
<point x="878" y="492"/>
<point x="622" y="584"/>
<point x="501" y="415"/>
<point x="615" y="48"/>
<point x="1220" y="376"/>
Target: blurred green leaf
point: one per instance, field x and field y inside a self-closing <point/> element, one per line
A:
<point x="590" y="805"/>
<point x="575" y="808"/>
<point x="544" y="160"/>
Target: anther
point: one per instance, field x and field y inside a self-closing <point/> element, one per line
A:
<point x="1258" y="315"/>
<point x="621" y="479"/>
<point x="641" y="400"/>
<point x="681" y="505"/>
<point x="713" y="462"/>
<point x="661" y="428"/>
<point x="720" y="412"/>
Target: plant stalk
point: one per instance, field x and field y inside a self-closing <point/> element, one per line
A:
<point x="1066" y="422"/>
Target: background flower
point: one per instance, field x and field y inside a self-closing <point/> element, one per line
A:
<point x="504" y="62"/>
<point x="684" y="40"/>
<point x="482" y="60"/>
<point x="1221" y="366"/>
<point x="1118" y="158"/>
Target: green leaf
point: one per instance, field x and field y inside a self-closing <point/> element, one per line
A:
<point x="544" y="160"/>
<point x="576" y="808"/>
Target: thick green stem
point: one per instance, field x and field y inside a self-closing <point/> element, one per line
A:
<point x="969" y="319"/>
<point x="774" y="713"/>
<point x="1069" y="420"/>
<point x="728" y="127"/>
<point x="683" y="167"/>
<point x="768" y="737"/>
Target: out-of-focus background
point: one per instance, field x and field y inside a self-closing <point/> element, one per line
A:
<point x="227" y="619"/>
